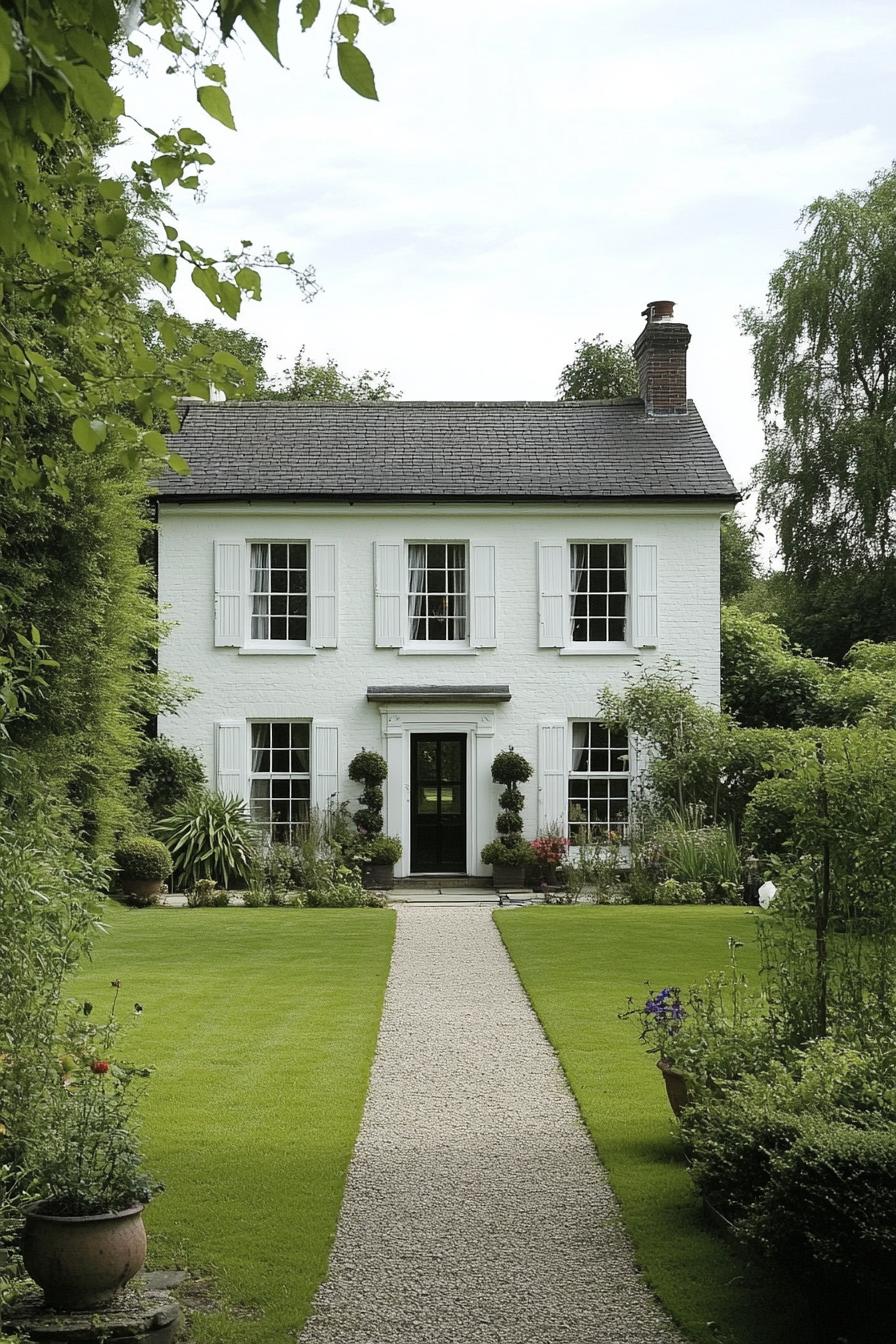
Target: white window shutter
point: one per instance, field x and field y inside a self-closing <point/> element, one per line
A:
<point x="645" y="597"/>
<point x="552" y="623"/>
<point x="228" y="593"/>
<point x="324" y="764"/>
<point x="483" y="627"/>
<point x="324" y="607"/>
<point x="553" y="774"/>
<point x="230" y="757"/>
<point x="389" y="589"/>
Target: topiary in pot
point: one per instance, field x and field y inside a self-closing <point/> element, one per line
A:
<point x="369" y="768"/>
<point x="510" y="853"/>
<point x="144" y="864"/>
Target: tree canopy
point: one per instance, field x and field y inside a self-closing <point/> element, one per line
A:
<point x="824" y="350"/>
<point x="599" y="371"/>
<point x="310" y="381"/>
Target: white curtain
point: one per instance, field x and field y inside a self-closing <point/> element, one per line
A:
<point x="260" y="570"/>
<point x="417" y="591"/>
<point x="580" y="748"/>
<point x="579" y="578"/>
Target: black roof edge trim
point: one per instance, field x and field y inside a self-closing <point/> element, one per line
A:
<point x="342" y="498"/>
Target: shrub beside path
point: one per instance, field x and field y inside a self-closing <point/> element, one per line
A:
<point x="475" y="1207"/>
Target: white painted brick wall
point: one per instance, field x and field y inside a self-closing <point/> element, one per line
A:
<point x="332" y="683"/>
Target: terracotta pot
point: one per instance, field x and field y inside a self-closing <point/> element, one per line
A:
<point x="81" y="1263"/>
<point x="378" y="876"/>
<point x="676" y="1086"/>
<point x="144" y="888"/>
<point x="508" y="874"/>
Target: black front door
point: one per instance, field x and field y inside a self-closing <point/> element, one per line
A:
<point x="438" y="803"/>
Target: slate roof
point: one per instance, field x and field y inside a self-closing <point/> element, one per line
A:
<point x="529" y="450"/>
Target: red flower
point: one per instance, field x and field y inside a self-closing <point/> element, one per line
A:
<point x="100" y="1066"/>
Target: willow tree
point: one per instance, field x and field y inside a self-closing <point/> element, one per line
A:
<point x="824" y="350"/>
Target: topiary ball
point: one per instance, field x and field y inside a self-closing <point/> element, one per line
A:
<point x="511" y="799"/>
<point x="508" y="823"/>
<point x="367" y="767"/>
<point x="509" y="767"/>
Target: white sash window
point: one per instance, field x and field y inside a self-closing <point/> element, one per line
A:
<point x="599" y="783"/>
<point x="280" y="778"/>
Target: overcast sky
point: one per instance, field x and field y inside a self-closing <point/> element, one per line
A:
<point x="535" y="173"/>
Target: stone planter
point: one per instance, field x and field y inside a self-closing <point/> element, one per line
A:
<point x="81" y="1263"/>
<point x="676" y="1086"/>
<point x="378" y="876"/>
<point x="508" y="875"/>
<point x="145" y="890"/>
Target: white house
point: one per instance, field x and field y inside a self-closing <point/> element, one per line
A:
<point x="437" y="581"/>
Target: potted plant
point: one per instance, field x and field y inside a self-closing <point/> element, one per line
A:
<point x="550" y="851"/>
<point x="144" y="864"/>
<point x="509" y="853"/>
<point x="661" y="1017"/>
<point x="378" y="862"/>
<point x="84" y="1240"/>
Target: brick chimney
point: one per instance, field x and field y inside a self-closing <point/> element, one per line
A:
<point x="661" y="353"/>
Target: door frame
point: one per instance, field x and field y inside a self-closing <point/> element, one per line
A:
<point x="478" y="725"/>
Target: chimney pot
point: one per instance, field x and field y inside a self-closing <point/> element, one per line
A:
<point x="661" y="353"/>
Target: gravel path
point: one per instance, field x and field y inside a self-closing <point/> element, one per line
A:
<point x="475" y="1208"/>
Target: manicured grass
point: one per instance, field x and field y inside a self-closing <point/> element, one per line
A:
<point x="578" y="966"/>
<point x="261" y="1025"/>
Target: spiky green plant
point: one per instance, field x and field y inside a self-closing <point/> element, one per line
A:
<point x="209" y="836"/>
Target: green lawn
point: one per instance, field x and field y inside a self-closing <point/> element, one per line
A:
<point x="261" y="1025"/>
<point x="578" y="966"/>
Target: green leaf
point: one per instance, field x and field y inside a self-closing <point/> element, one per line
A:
<point x="134" y="50"/>
<point x="170" y="232"/>
<point x="215" y="102"/>
<point x="110" y="223"/>
<point x="217" y="73"/>
<point x="228" y="361"/>
<point x="166" y="168"/>
<point x="263" y="17"/>
<point x="248" y="279"/>
<point x="92" y="93"/>
<point x="190" y="137"/>
<point x="178" y="464"/>
<point x="88" y="434"/>
<point x="163" y="268"/>
<point x="355" y="70"/>
<point x="348" y="25"/>
<point x="206" y="278"/>
<point x="155" y="443"/>
<point x="385" y="16"/>
<point x="91" y="49"/>
<point x="110" y="189"/>
<point x="308" y="12"/>
<point x="171" y="43"/>
<point x="284" y="259"/>
<point x="229" y="297"/>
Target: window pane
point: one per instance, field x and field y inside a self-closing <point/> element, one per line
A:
<point x="598" y="588"/>
<point x="599" y="787"/>
<point x="279" y="586"/>
<point x="437" y="591"/>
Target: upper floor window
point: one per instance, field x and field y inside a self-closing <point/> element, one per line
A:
<point x="599" y="592"/>
<point x="280" y="778"/>
<point x="437" y="591"/>
<point x="598" y="783"/>
<point x="278" y="589"/>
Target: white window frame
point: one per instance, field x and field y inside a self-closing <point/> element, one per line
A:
<point x="271" y="775"/>
<point x="627" y="775"/>
<point x="437" y="645"/>
<point x="599" y="646"/>
<point x="280" y="645"/>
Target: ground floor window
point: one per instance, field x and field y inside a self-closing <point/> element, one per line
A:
<point x="598" y="783"/>
<point x="280" y="778"/>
